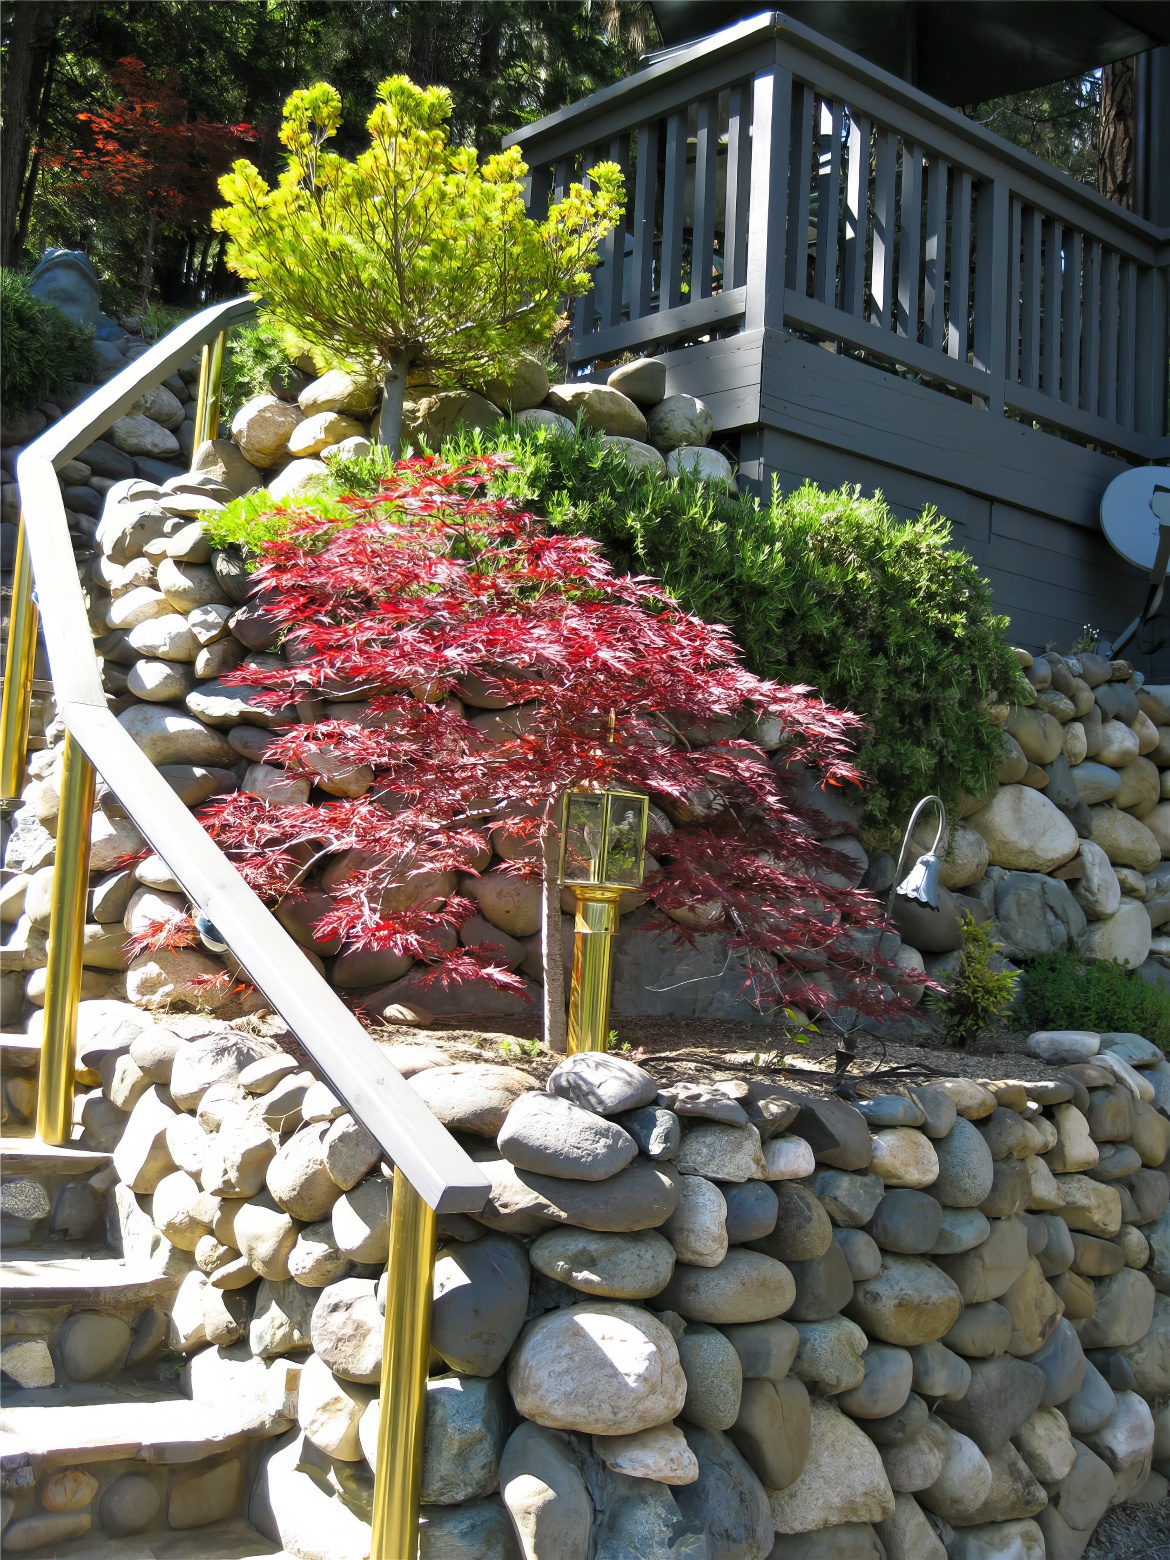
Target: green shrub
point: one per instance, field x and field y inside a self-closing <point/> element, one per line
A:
<point x="1064" y="991"/>
<point x="249" y="522"/>
<point x="255" y="354"/>
<point x="976" y="996"/>
<point x="883" y="616"/>
<point x="44" y="351"/>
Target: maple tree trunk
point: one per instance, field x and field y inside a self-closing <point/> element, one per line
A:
<point x="1116" y="165"/>
<point x="556" y="1025"/>
<point x="30" y="43"/>
<point x="146" y="275"/>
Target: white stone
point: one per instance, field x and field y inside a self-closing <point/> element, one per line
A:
<point x="1124" y="936"/>
<point x="788" y="1159"/>
<point x="697" y="1229"/>
<point x="321" y="431"/>
<point x="639" y="455"/>
<point x="262" y="427"/>
<point x="339" y="391"/>
<point x="330" y="1410"/>
<point x="299" y="478"/>
<point x="706" y="466"/>
<point x="903" y="1156"/>
<point x="661" y="1453"/>
<point x="1046" y="1445"/>
<point x="843" y="1479"/>
<point x="275" y="785"/>
<point x="1024" y="831"/>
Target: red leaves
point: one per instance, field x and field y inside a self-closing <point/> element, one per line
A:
<point x="431" y="589"/>
<point x="145" y="148"/>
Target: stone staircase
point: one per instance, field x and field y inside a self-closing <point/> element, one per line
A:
<point x="108" y="1449"/>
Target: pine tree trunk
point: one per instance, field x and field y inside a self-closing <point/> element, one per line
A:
<point x="1116" y="166"/>
<point x="556" y="1026"/>
<point x="29" y="51"/>
<point x="146" y="275"/>
<point x="393" y="395"/>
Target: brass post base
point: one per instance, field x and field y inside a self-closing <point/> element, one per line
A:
<point x="596" y="924"/>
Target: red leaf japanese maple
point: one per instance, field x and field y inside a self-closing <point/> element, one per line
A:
<point x="431" y="587"/>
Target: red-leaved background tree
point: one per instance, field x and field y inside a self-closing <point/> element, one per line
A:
<point x="430" y="590"/>
<point x="145" y="150"/>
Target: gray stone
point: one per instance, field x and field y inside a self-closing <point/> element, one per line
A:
<point x="523" y="1203"/>
<point x="481" y="1297"/>
<point x="639" y="1517"/>
<point x="679" y="420"/>
<point x="1125" y="1310"/>
<point x="907" y="1535"/>
<point x="656" y="1131"/>
<point x="727" y="1500"/>
<point x="1003" y="1393"/>
<point x="965" y="1167"/>
<point x="891" y="1110"/>
<point x="714" y="1377"/>
<point x="844" y="1541"/>
<point x="842" y="1481"/>
<point x="1035" y="915"/>
<point x="477" y="1530"/>
<point x="982" y="1332"/>
<point x="621" y="1266"/>
<point x="801" y="1231"/>
<point x="862" y="1253"/>
<point x="772" y="1429"/>
<point x="961" y="1229"/>
<point x="93" y="1344"/>
<point x="264" y="1234"/>
<point x="824" y="1286"/>
<point x="747" y="1286"/>
<point x="830" y="1354"/>
<point x="889" y="1376"/>
<point x="765" y="1349"/>
<point x="129" y="1504"/>
<point x="552" y="1136"/>
<point x="752" y="1211"/>
<point x="849" y="1200"/>
<point x="939" y="1373"/>
<point x="603" y="409"/>
<point x="471" y="1097"/>
<point x="643" y="380"/>
<point x="466" y="1426"/>
<point x="545" y="1495"/>
<point x="721" y="1152"/>
<point x="909" y="1302"/>
<point x="906" y="1221"/>
<point x="989" y="1270"/>
<point x="600" y="1082"/>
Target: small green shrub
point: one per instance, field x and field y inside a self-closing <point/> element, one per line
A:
<point x="44" y="351"/>
<point x="881" y="615"/>
<point x="254" y="355"/>
<point x="257" y="518"/>
<point x="977" y="996"/>
<point x="1064" y="991"/>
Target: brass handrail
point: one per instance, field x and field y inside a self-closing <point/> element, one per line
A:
<point x="432" y="1174"/>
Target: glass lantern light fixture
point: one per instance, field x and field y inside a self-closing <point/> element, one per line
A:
<point x="921" y="883"/>
<point x="603" y="856"/>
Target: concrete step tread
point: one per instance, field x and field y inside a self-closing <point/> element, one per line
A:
<point x="53" y="1426"/>
<point x="236" y="1540"/>
<point x="27" y="1156"/>
<point x="47" y="1277"/>
<point x="18" y="1052"/>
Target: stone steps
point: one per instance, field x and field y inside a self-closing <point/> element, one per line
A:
<point x="81" y="1281"/>
<point x="19" y="1064"/>
<point x="235" y="1540"/>
<point x="49" y="1192"/>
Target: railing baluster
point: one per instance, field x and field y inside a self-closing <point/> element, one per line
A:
<point x="1070" y="346"/>
<point x="585" y="307"/>
<point x="1015" y="221"/>
<point x="539" y="190"/>
<point x="960" y="288"/>
<point x="1031" y="288"/>
<point x="856" y="216"/>
<point x="768" y="205"/>
<point x="1127" y="345"/>
<point x="934" y="298"/>
<point x="799" y="181"/>
<point x="991" y="286"/>
<point x="63" y="968"/>
<point x="882" y="281"/>
<point x="1053" y="276"/>
<point x="703" y="233"/>
<point x="737" y="187"/>
<point x="645" y="192"/>
<point x="19" y="669"/>
<point x="670" y="282"/>
<point x="1091" y="339"/>
<point x="613" y="247"/>
<point x="1150" y="366"/>
<point x="828" y="205"/>
<point x="909" y="241"/>
<point x="1110" y="276"/>
<point x="406" y="1349"/>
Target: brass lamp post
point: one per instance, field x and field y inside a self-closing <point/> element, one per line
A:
<point x="603" y="853"/>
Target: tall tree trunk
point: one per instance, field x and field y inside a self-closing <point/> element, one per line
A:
<point x="146" y="275"/>
<point x="556" y="1026"/>
<point x="393" y="395"/>
<point x="30" y="42"/>
<point x="1116" y="159"/>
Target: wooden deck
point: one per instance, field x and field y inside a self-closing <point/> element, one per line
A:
<point x="867" y="287"/>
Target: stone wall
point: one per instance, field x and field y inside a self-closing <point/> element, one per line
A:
<point x="726" y="1320"/>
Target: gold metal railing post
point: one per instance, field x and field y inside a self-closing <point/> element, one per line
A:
<point x="406" y="1351"/>
<point x="66" y="931"/>
<point x="19" y="665"/>
<point x="210" y="389"/>
<point x="589" y="995"/>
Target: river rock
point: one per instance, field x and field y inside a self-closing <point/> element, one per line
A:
<point x="604" y="1369"/>
<point x="939" y="1373"/>
<point x="727" y="1501"/>
<point x="1125" y="1310"/>
<point x="961" y="1229"/>
<point x="639" y="1197"/>
<point x="1046" y="1446"/>
<point x="470" y="1096"/>
<point x="906" y="1221"/>
<point x="714" y="1377"/>
<point x="849" y="1200"/>
<point x="823" y="1286"/>
<point x="830" y="1354"/>
<point x="554" y="1137"/>
<point x="843" y="1479"/>
<point x="747" y="1286"/>
<point x="1124" y="840"/>
<point x="773" y="1430"/>
<point x="1123" y="937"/>
<point x="862" y="1253"/>
<point x="265" y="1235"/>
<point x="722" y="1152"/>
<point x="661" y="1453"/>
<point x="909" y="1302"/>
<point x="752" y="1209"/>
<point x="889" y="1375"/>
<point x="1097" y="891"/>
<point x="1003" y="1393"/>
<point x="616" y="1265"/>
<point x="903" y="1156"/>
<point x="765" y="1349"/>
<point x="981" y="1332"/>
<point x="801" y="1231"/>
<point x="917" y="1461"/>
<point x="330" y="1410"/>
<point x="262" y="427"/>
<point x="604" y="409"/>
<point x="697" y="1229"/>
<point x="836" y="1133"/>
<point x="167" y="737"/>
<point x="1023" y="830"/>
<point x="907" y="1535"/>
<point x="599" y="1082"/>
<point x="546" y="1498"/>
<point x="985" y="1272"/>
<point x="964" y="1483"/>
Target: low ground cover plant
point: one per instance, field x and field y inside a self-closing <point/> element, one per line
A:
<point x="432" y="582"/>
<point x="1065" y="991"/>
<point x="882" y="616"/>
<point x="44" y="351"/>
<point x="977" y="995"/>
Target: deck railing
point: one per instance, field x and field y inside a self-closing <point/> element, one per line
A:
<point x="432" y="1174"/>
<point x="776" y="180"/>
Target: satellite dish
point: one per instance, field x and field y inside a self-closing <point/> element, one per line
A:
<point x="1134" y="507"/>
<point x="1135" y="516"/>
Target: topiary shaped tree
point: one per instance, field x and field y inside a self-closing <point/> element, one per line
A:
<point x="411" y="255"/>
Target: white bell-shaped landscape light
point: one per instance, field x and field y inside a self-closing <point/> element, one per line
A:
<point x="921" y="883"/>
